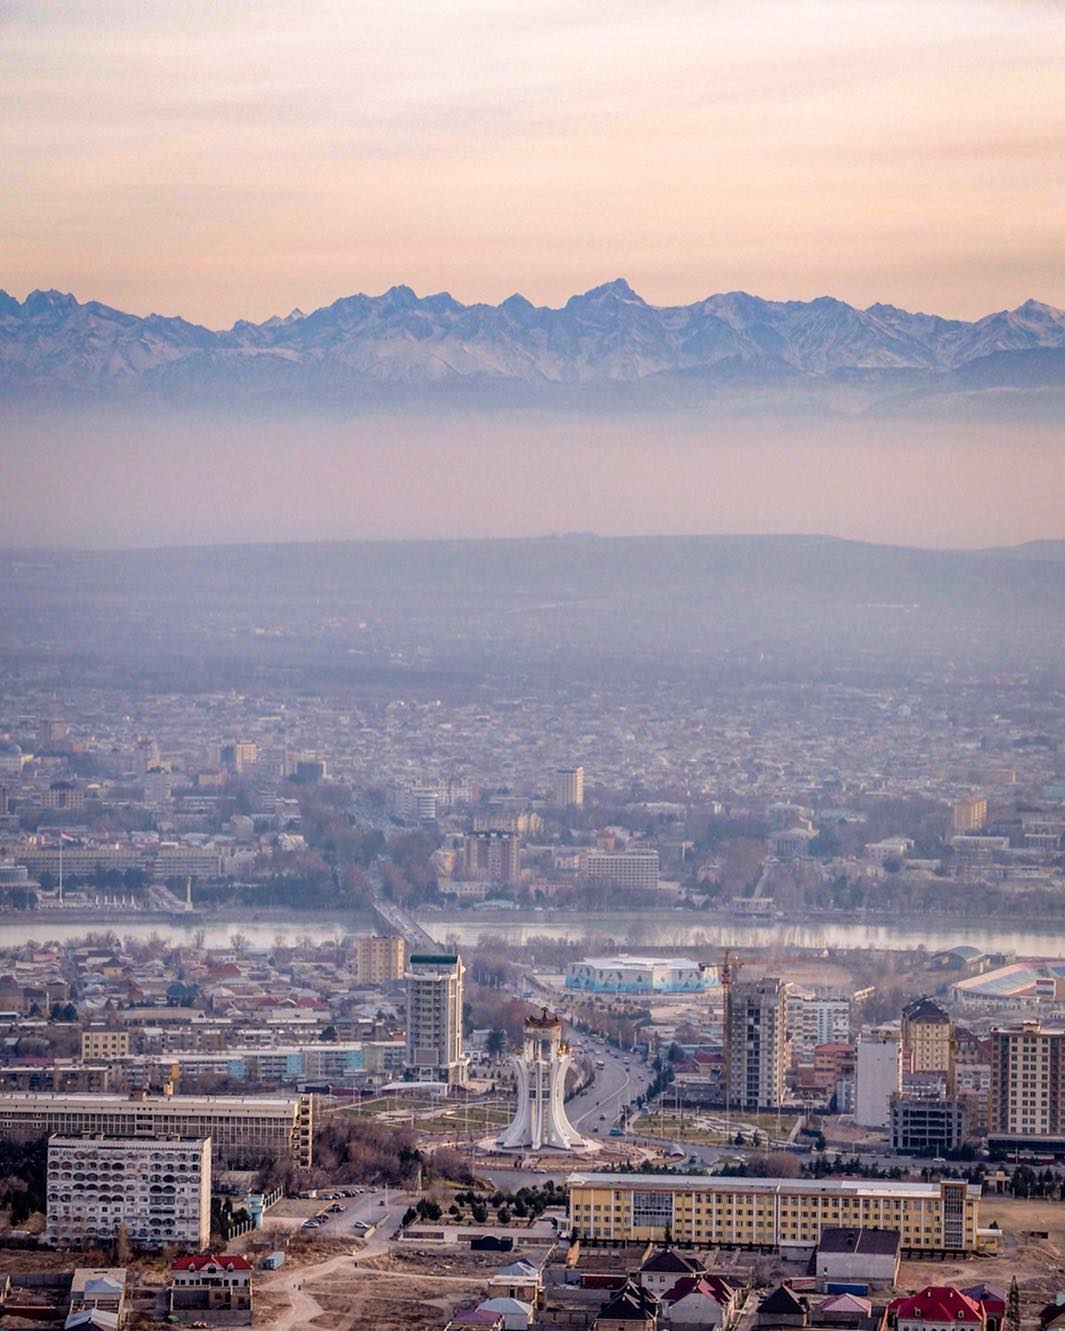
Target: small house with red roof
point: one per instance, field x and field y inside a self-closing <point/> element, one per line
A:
<point x="212" y="1287"/>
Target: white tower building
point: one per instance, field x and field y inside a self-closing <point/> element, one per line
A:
<point x="877" y="1077"/>
<point x="540" y="1121"/>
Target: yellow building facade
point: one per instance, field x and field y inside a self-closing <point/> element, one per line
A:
<point x="771" y="1213"/>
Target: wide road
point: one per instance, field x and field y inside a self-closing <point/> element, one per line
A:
<point x="597" y="1109"/>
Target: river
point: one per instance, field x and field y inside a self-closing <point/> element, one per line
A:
<point x="639" y="931"/>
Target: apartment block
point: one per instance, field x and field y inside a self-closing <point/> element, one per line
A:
<point x="379" y="960"/>
<point x="756" y="1043"/>
<point x="567" y="787"/>
<point x="969" y="814"/>
<point x="490" y="857"/>
<point x="1026" y="1101"/>
<point x="631" y="870"/>
<point x="103" y="1043"/>
<point x="772" y="1214"/>
<point x="242" y="1129"/>
<point x="434" y="1018"/>
<point x="159" y="1190"/>
<point x="877" y="1076"/>
<point x="928" y="1039"/>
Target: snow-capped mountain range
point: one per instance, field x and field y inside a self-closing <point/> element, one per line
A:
<point x="607" y="339"/>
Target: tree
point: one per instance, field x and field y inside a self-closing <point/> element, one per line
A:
<point x="496" y="1042"/>
<point x="781" y="1164"/>
<point x="1012" y="1320"/>
<point x="329" y="1035"/>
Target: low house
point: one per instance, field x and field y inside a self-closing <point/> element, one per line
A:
<point x="849" y="1310"/>
<point x="866" y="1256"/>
<point x="936" y="1308"/>
<point x="475" y="1319"/>
<point x="516" y="1313"/>
<point x="632" y="1308"/>
<point x="518" y="1280"/>
<point x="213" y="1288"/>
<point x="700" y="1301"/>
<point x="91" y="1319"/>
<point x="99" y="1289"/>
<point x="664" y="1268"/>
<point x="783" y="1307"/>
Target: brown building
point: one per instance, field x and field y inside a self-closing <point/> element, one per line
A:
<point x="1026" y="1102"/>
<point x="379" y="960"/>
<point x="490" y="857"/>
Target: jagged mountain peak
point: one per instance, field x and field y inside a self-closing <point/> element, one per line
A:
<point x="617" y="290"/>
<point x="731" y="343"/>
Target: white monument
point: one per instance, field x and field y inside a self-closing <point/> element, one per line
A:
<point x="540" y="1122"/>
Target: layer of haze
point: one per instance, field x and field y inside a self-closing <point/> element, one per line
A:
<point x="114" y="480"/>
<point x="235" y="159"/>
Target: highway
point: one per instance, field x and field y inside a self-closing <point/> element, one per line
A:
<point x="595" y="1110"/>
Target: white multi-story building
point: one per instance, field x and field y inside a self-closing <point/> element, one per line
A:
<point x="243" y="1129"/>
<point x="877" y="1077"/>
<point x="158" y="1190"/>
<point x="633" y="870"/>
<point x="434" y="1018"/>
<point x="815" y="1019"/>
<point x="567" y="787"/>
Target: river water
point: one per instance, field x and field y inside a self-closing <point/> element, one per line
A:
<point x="637" y="931"/>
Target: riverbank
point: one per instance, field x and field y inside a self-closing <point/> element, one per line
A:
<point x="637" y="931"/>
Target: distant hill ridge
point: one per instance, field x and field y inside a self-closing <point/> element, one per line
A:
<point x="607" y="339"/>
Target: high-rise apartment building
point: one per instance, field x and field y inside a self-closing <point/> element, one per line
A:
<point x="816" y="1020"/>
<point x="969" y="814"/>
<point x="928" y="1040"/>
<point x="756" y="1043"/>
<point x="567" y="788"/>
<point x="490" y="857"/>
<point x="379" y="960"/>
<point x="877" y="1077"/>
<point x="1026" y="1101"/>
<point x="434" y="1018"/>
<point x="158" y="1189"/>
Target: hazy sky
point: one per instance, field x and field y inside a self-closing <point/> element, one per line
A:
<point x="229" y="158"/>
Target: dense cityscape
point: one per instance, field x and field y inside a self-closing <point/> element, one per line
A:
<point x="532" y="690"/>
<point x="706" y="997"/>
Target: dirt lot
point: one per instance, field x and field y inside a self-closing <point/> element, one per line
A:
<point x="409" y="1290"/>
<point x="1038" y="1264"/>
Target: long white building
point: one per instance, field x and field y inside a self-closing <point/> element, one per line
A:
<point x="158" y="1190"/>
<point x="626" y="974"/>
<point x="243" y="1129"/>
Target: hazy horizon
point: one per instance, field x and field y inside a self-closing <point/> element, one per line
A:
<point x="101" y="477"/>
<point x="225" y="162"/>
